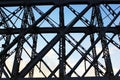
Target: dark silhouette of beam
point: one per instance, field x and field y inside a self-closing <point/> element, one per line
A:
<point x="54" y="2"/>
<point x="38" y="30"/>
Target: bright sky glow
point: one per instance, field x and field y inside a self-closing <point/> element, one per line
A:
<point x="52" y="58"/>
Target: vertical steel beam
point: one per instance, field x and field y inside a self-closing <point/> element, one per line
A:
<point x="60" y="38"/>
<point x="7" y="42"/>
<point x="40" y="55"/>
<point x="91" y="47"/>
<point x="25" y="32"/>
<point x="106" y="54"/>
<point x="16" y="64"/>
<point x="35" y="60"/>
<point x="62" y="45"/>
<point x="93" y="17"/>
<point x="96" y="58"/>
<point x="34" y="37"/>
<point x="68" y="28"/>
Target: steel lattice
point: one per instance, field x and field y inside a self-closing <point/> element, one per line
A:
<point x="59" y="39"/>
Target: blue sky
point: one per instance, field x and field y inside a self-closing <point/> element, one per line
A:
<point x="52" y="58"/>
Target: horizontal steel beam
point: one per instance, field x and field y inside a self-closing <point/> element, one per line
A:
<point x="72" y="78"/>
<point x="87" y="30"/>
<point x="54" y="2"/>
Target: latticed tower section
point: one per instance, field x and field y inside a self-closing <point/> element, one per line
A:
<point x="60" y="39"/>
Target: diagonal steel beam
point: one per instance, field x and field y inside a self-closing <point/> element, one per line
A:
<point x="44" y="51"/>
<point x="96" y="57"/>
<point x="69" y="26"/>
<point x="118" y="73"/>
<point x="54" y="2"/>
<point x="25" y="32"/>
<point x="40" y="55"/>
<point x="91" y="47"/>
<point x="67" y="56"/>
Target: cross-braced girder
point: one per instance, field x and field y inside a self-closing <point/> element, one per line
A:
<point x="59" y="39"/>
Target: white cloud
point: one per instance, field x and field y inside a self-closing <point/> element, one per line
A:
<point x="52" y="61"/>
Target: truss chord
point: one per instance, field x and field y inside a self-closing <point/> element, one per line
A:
<point x="26" y="51"/>
<point x="55" y="2"/>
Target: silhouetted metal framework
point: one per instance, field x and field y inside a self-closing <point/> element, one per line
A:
<point x="60" y="39"/>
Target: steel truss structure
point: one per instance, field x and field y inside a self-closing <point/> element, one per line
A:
<point x="60" y="39"/>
